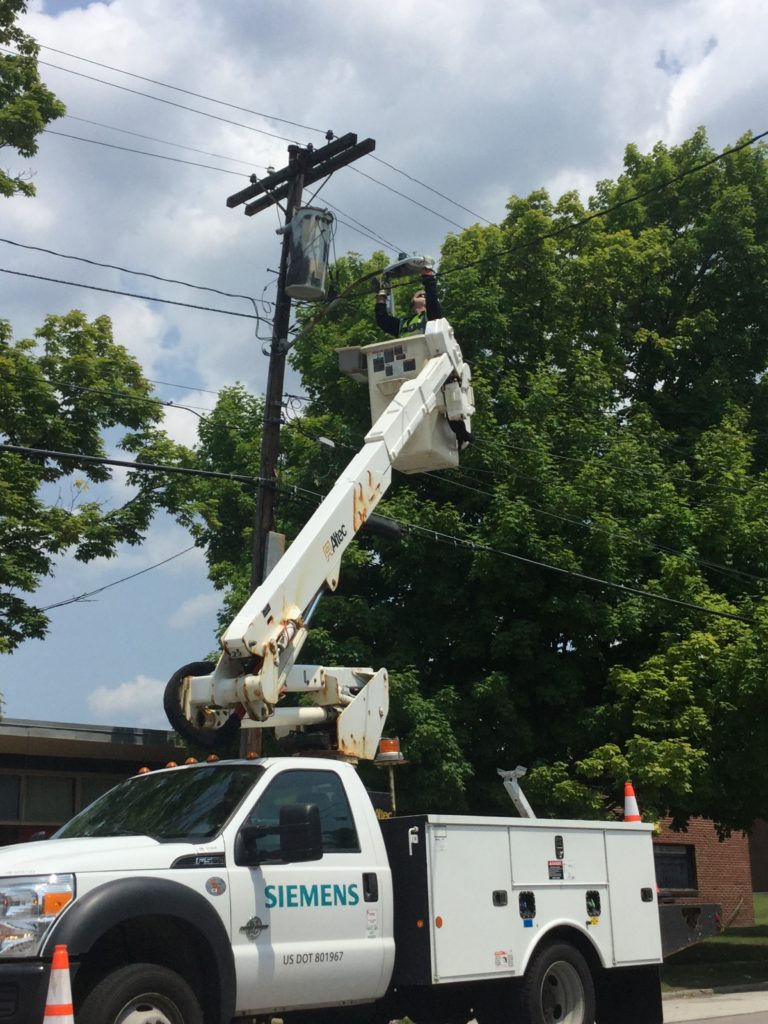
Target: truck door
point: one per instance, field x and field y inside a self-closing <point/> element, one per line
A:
<point x="307" y="933"/>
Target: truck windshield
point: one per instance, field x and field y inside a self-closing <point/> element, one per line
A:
<point x="189" y="805"/>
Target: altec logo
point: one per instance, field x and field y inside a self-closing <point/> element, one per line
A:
<point x="311" y="895"/>
<point x="335" y="541"/>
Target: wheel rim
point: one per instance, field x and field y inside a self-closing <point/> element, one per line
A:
<point x="562" y="995"/>
<point x="149" y="1009"/>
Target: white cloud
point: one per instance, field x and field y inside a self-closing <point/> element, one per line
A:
<point x="136" y="703"/>
<point x="195" y="609"/>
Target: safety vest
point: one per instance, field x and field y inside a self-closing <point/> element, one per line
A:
<point x="413" y="324"/>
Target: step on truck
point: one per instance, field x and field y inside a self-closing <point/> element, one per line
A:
<point x="250" y="890"/>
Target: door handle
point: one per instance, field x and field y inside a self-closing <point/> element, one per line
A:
<point x="370" y="887"/>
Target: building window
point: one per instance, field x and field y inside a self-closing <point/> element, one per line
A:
<point x="675" y="867"/>
<point x="10" y="793"/>
<point x="50" y="798"/>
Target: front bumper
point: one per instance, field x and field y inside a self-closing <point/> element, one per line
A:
<point x="23" y="990"/>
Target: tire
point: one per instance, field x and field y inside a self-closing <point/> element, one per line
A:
<point x="141" y="994"/>
<point x="558" y="987"/>
<point x="208" y="739"/>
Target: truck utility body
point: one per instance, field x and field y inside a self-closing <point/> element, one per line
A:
<point x="270" y="887"/>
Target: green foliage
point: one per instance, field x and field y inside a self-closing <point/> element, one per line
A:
<point x="60" y="393"/>
<point x="619" y="370"/>
<point x="26" y="105"/>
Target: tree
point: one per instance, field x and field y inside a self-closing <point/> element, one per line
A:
<point x="586" y="594"/>
<point x="26" y="105"/>
<point x="60" y="393"/>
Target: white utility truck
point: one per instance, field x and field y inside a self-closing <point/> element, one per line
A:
<point x="243" y="890"/>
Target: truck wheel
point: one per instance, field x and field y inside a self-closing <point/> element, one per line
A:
<point x="558" y="987"/>
<point x="141" y="994"/>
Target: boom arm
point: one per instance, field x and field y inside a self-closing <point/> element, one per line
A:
<point x="422" y="402"/>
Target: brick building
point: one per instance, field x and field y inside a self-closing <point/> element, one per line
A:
<point x="758" y="855"/>
<point x="695" y="866"/>
<point x="51" y="770"/>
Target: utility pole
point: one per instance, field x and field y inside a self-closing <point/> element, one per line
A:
<point x="305" y="166"/>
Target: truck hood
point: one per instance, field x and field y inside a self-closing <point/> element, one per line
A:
<point x="116" y="853"/>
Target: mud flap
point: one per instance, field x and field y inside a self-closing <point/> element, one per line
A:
<point x="631" y="995"/>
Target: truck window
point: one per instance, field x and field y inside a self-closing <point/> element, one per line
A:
<point x="180" y="805"/>
<point x="308" y="787"/>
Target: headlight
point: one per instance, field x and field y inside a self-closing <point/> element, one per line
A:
<point x="28" y="907"/>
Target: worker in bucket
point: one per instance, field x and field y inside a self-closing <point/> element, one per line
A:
<point x="425" y="306"/>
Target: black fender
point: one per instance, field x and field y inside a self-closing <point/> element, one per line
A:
<point x="126" y="899"/>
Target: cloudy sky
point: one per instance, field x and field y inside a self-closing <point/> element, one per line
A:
<point x="476" y="101"/>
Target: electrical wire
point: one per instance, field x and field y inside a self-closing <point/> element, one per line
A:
<point x="473" y="546"/>
<point x="635" y="591"/>
<point x="361" y="230"/>
<point x="162" y="142"/>
<point x="148" y="400"/>
<point x="144" y="152"/>
<point x="596" y="215"/>
<point x="435" y="535"/>
<point x="130" y="295"/>
<point x="144" y="467"/>
<point x="162" y="99"/>
<point x="100" y="590"/>
<point x="126" y="270"/>
<point x="257" y="113"/>
<point x="737" y="574"/>
<point x="187" y="92"/>
<point x="408" y="198"/>
<point x="429" y="188"/>
<point x="643" y="194"/>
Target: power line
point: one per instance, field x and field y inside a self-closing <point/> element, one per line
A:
<point x="419" y="530"/>
<point x="429" y="188"/>
<point x="144" y="152"/>
<point x="256" y="113"/>
<point x="161" y="99"/>
<point x="147" y="467"/>
<point x="643" y="194"/>
<point x="163" y="142"/>
<point x="187" y="92"/>
<point x="361" y="230"/>
<point x="126" y="270"/>
<point x="701" y="562"/>
<point x="635" y="591"/>
<point x="114" y="583"/>
<point x="130" y="295"/>
<point x="565" y="228"/>
<point x="409" y="199"/>
<point x="149" y="399"/>
<point x="474" y="546"/>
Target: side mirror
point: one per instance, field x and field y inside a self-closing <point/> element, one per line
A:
<point x="299" y="833"/>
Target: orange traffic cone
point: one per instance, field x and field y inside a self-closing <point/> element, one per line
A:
<point x="631" y="810"/>
<point x="58" y="1004"/>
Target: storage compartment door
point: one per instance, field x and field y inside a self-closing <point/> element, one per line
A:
<point x="631" y="880"/>
<point x="470" y="882"/>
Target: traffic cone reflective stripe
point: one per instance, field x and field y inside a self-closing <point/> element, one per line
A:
<point x="58" y="1004"/>
<point x="631" y="810"/>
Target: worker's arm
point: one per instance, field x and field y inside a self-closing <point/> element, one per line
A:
<point x="388" y="323"/>
<point x="429" y="282"/>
